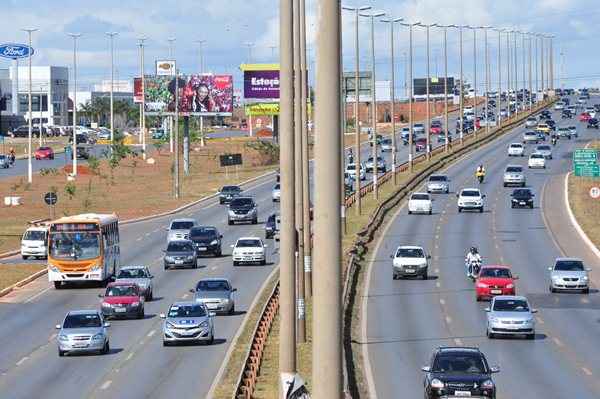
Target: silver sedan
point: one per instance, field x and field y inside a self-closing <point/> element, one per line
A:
<point x="188" y="322"/>
<point x="569" y="274"/>
<point x="510" y="315"/>
<point x="83" y="331"/>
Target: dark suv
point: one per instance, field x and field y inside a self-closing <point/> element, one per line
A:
<point x="207" y="240"/>
<point x="242" y="209"/>
<point x="459" y="372"/>
<point x="270" y="226"/>
<point x="228" y="193"/>
<point x="592" y="123"/>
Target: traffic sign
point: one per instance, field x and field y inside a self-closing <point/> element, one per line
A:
<point x="585" y="162"/>
<point x="595" y="192"/>
<point x="51" y="198"/>
<point x="582" y="170"/>
<point x="585" y="155"/>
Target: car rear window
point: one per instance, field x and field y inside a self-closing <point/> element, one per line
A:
<point x="212" y="285"/>
<point x="242" y="202"/>
<point x="516" y="146"/>
<point x="466" y="362"/>
<point x="514" y="169"/>
<point x="230" y="189"/>
<point x="438" y="178"/>
<point x="181" y="225"/>
<point x="544" y="148"/>
<point x="497" y="272"/>
<point x="537" y="156"/>
<point x="132" y="273"/>
<point x="420" y="197"/>
<point x="410" y="253"/>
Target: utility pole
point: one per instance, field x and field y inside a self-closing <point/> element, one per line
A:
<point x="508" y="81"/>
<point x="249" y="45"/>
<point x="177" y="147"/>
<point x="305" y="160"/>
<point x="327" y="336"/>
<point x="201" y="71"/>
<point x="143" y="111"/>
<point x="487" y="78"/>
<point x="75" y="36"/>
<point x="391" y="22"/>
<point x="111" y="36"/>
<point x="287" y="334"/>
<point x="542" y="64"/>
<point x="474" y="77"/>
<point x="298" y="194"/>
<point x="499" y="94"/>
<point x="537" y="79"/>
<point x="523" y="62"/>
<point x="171" y="41"/>
<point x="462" y="91"/>
<point x="446" y="127"/>
<point x="516" y="71"/>
<point x="29" y="141"/>
<point x="530" y="74"/>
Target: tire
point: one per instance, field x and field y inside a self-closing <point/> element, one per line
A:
<point x="489" y="334"/>
<point x="530" y="337"/>
<point x="552" y="290"/>
<point x="219" y="253"/>
<point x="235" y="263"/>
<point x="229" y="222"/>
<point x="212" y="339"/>
<point x="166" y="267"/>
<point x="25" y="257"/>
<point x="586" y="291"/>
<point x="394" y="276"/>
<point x="165" y="343"/>
<point x="459" y="209"/>
<point x="106" y="348"/>
<point x="221" y="202"/>
<point x="58" y="285"/>
<point x="263" y="262"/>
<point x="232" y="310"/>
<point x="512" y="206"/>
<point x="141" y="314"/>
<point x="409" y="212"/>
<point x="150" y="297"/>
<point x="477" y="299"/>
<point x="430" y="212"/>
<point x="61" y="353"/>
<point x="531" y="206"/>
<point x="425" y="275"/>
<point x="504" y="184"/>
<point x="481" y="210"/>
<point x="255" y="221"/>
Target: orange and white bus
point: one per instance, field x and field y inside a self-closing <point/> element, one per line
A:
<point x="83" y="248"/>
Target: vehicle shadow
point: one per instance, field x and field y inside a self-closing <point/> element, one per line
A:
<point x="112" y="351"/>
<point x="538" y="337"/>
<point x="156" y="299"/>
<point x="237" y="313"/>
<point x="216" y="341"/>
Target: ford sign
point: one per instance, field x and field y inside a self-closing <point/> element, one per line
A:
<point x="14" y="51"/>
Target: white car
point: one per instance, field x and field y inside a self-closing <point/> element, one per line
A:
<point x="516" y="150"/>
<point x="420" y="203"/>
<point x="591" y="111"/>
<point x="418" y="128"/>
<point x="381" y="165"/>
<point x="386" y="145"/>
<point x="545" y="150"/>
<point x="276" y="193"/>
<point x="410" y="261"/>
<point x="470" y="199"/>
<point x="34" y="242"/>
<point x="249" y="250"/>
<point x="351" y="171"/>
<point x="536" y="161"/>
<point x="531" y="122"/>
<point x="559" y="106"/>
<point x="573" y="130"/>
<point x="179" y="229"/>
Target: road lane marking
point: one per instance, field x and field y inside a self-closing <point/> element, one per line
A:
<point x="20" y="362"/>
<point x="184" y="296"/>
<point x="151" y="333"/>
<point x="458" y="342"/>
<point x="213" y="268"/>
<point x="52" y="337"/>
<point x="448" y="319"/>
<point x="558" y="342"/>
<point x="586" y="371"/>
<point x="106" y="384"/>
<point x="585" y="300"/>
<point x="442" y="302"/>
<point x="437" y="284"/>
<point x="37" y="295"/>
<point x="139" y="238"/>
<point x="539" y="320"/>
<point x="129" y="356"/>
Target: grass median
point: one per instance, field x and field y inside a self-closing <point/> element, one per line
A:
<point x="13" y="273"/>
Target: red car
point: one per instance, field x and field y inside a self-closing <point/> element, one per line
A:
<point x="436" y="128"/>
<point x="584" y="117"/>
<point x="420" y="144"/>
<point x="44" y="153"/>
<point x="494" y="280"/>
<point x="123" y="300"/>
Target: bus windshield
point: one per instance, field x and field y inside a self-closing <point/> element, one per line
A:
<point x="74" y="245"/>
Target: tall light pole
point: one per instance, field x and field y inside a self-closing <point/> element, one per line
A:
<point x="327" y="339"/>
<point x="372" y="16"/>
<point x="29" y="143"/>
<point x="287" y="335"/>
<point x="530" y="74"/>
<point x="111" y="36"/>
<point x="357" y="11"/>
<point x="446" y="127"/>
<point x="499" y="94"/>
<point x="428" y="111"/>
<point x="249" y="45"/>
<point x="542" y="63"/>
<point x="487" y="77"/>
<point x="508" y="81"/>
<point x="200" y="44"/>
<point x="524" y="69"/>
<point x="305" y="159"/>
<point x="143" y="111"/>
<point x="537" y="79"/>
<point x="391" y="22"/>
<point x="171" y="41"/>
<point x="474" y="29"/>
<point x="75" y="36"/>
<point x="411" y="93"/>
<point x="516" y="76"/>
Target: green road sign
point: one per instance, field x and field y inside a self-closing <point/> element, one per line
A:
<point x="585" y="162"/>
<point x="587" y="170"/>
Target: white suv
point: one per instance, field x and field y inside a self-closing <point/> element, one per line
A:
<point x="470" y="199"/>
<point x="249" y="250"/>
<point x="409" y="261"/>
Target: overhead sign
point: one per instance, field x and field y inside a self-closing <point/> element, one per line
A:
<point x="230" y="159"/>
<point x="585" y="162"/>
<point x="14" y="51"/>
<point x="50" y="198"/>
<point x="165" y="67"/>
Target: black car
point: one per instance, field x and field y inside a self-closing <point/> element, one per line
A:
<point x="207" y="240"/>
<point x="180" y="253"/>
<point x="546" y="114"/>
<point x="521" y="197"/>
<point x="82" y="153"/>
<point x="551" y="124"/>
<point x="242" y="209"/>
<point x="459" y="372"/>
<point x="566" y="114"/>
<point x="228" y="193"/>
<point x="270" y="226"/>
<point x="592" y="123"/>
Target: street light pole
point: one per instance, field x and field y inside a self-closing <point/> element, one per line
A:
<point x="516" y="70"/>
<point x="487" y="79"/>
<point x="75" y="36"/>
<point x="327" y="337"/>
<point x="447" y="128"/>
<point x="428" y="111"/>
<point x="29" y="141"/>
<point x="112" y="35"/>
<point x="461" y="96"/>
<point x="530" y="74"/>
<point x="508" y="81"/>
<point x="171" y="41"/>
<point x="411" y="94"/>
<point x="143" y="111"/>
<point x="499" y="94"/>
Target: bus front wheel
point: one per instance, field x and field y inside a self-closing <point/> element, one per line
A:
<point x="58" y="285"/>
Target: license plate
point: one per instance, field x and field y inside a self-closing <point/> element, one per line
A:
<point x="84" y="345"/>
<point x="120" y="310"/>
<point x="247" y="258"/>
<point x="462" y="394"/>
<point x="201" y="248"/>
<point x="212" y="305"/>
<point x="496" y="292"/>
<point x="410" y="270"/>
<point x="179" y="262"/>
<point x="522" y="203"/>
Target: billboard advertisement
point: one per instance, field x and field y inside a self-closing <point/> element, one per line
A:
<point x="137" y="90"/>
<point x="165" y="68"/>
<point x="436" y="86"/>
<point x="261" y="84"/>
<point x="205" y="95"/>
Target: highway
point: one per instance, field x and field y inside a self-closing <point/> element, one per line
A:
<point x="407" y="319"/>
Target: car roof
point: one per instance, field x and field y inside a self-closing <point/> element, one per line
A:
<point x="241" y="198"/>
<point x="511" y="297"/>
<point x="470" y="188"/>
<point x="248" y="238"/>
<point x="214" y="279"/>
<point x="409" y="247"/>
<point x="458" y="349"/>
<point x="420" y="193"/>
<point x="83" y="312"/>
<point x="513" y="166"/>
<point x="181" y="240"/>
<point x="183" y="220"/>
<point x="568" y="259"/>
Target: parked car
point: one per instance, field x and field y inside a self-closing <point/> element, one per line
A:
<point x="83" y="331"/>
<point x="418" y="128"/>
<point x="569" y="274"/>
<point x="188" y="322"/>
<point x="44" y="153"/>
<point x="435" y="127"/>
<point x="584" y="117"/>
<point x="123" y="299"/>
<point x="139" y="275"/>
<point x="386" y="145"/>
<point x="410" y="261"/>
<point x="249" y="250"/>
<point x="217" y="294"/>
<point x="420" y="203"/>
<point x="228" y="193"/>
<point x="494" y="280"/>
<point x="510" y="315"/>
<point x="180" y="253"/>
<point x="522" y="197"/>
<point x="206" y="240"/>
<point x="242" y="209"/>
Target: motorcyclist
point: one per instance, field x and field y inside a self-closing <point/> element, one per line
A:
<point x="350" y="156"/>
<point x="472" y="257"/>
<point x="11" y="155"/>
<point x="553" y="139"/>
<point x="480" y="173"/>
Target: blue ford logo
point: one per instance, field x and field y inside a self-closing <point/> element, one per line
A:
<point x="14" y="51"/>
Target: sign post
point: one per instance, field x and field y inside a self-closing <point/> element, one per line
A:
<point x="230" y="160"/>
<point x="51" y="199"/>
<point x="585" y="162"/>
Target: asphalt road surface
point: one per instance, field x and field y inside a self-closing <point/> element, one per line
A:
<point x="408" y="319"/>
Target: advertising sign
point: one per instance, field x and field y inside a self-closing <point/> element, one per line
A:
<point x="137" y="90"/>
<point x="261" y="84"/>
<point x="165" y="68"/>
<point x="230" y="159"/>
<point x="202" y="95"/>
<point x="14" y="51"/>
<point x="436" y="86"/>
<point x="267" y="109"/>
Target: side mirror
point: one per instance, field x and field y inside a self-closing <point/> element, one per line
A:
<point x="212" y="314"/>
<point x="457" y="195"/>
<point x="428" y="256"/>
<point x="264" y="245"/>
<point x="151" y="276"/>
<point x="162" y="316"/>
<point x="100" y="295"/>
<point x="391" y="256"/>
<point x="494" y="369"/>
<point x="483" y="196"/>
<point x="533" y="195"/>
<point x="588" y="269"/>
<point x="512" y="195"/>
<point x="57" y="326"/>
<point x="107" y="324"/>
<point x="534" y="310"/>
<point x="192" y="290"/>
<point x="426" y="369"/>
<point x="550" y="268"/>
<point x="234" y="290"/>
<point x="232" y="246"/>
<point x="487" y="309"/>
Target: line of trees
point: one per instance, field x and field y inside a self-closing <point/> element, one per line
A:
<point x="97" y="110"/>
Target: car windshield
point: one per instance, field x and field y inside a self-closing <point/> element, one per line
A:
<point x="187" y="311"/>
<point x="182" y="225"/>
<point x="242" y="202"/>
<point x="569" y="265"/>
<point x="75" y="245"/>
<point x="132" y="273"/>
<point x="522" y="193"/>
<point x="514" y="169"/>
<point x="470" y="363"/>
<point x="82" y="321"/>
<point x="563" y="129"/>
<point x="498" y="272"/>
<point x="121" y="290"/>
<point x="43" y="148"/>
<point x="510" y="305"/>
<point x="420" y="197"/>
<point x="418" y="125"/>
<point x="277" y="187"/>
<point x="386" y="141"/>
<point x="537" y="156"/>
<point x="212" y="285"/>
<point x="543" y="148"/>
<point x="530" y="134"/>
<point x="438" y="178"/>
<point x="470" y="193"/>
<point x="175" y="246"/>
<point x="350" y="166"/>
<point x="248" y="243"/>
<point x="516" y="146"/>
<point x="410" y="253"/>
<point x="34" y="235"/>
<point x="230" y="189"/>
<point x="203" y="232"/>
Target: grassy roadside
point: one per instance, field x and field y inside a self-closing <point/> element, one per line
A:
<point x="586" y="209"/>
<point x="13" y="273"/>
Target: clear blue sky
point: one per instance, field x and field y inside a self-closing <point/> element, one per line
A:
<point x="228" y="25"/>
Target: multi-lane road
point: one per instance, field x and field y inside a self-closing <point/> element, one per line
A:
<point x="407" y="319"/>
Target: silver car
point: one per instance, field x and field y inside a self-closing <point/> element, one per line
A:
<point x="188" y="322"/>
<point x="139" y="275"/>
<point x="386" y="145"/>
<point x="510" y="315"/>
<point x="83" y="331"/>
<point x="530" y="137"/>
<point x="179" y="229"/>
<point x="216" y="294"/>
<point x="569" y="274"/>
<point x="438" y="184"/>
<point x="573" y="130"/>
<point x="514" y="175"/>
<point x="4" y="164"/>
<point x="545" y="150"/>
<point x="276" y="193"/>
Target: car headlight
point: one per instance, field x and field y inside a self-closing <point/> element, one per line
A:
<point x="204" y="324"/>
<point x="106" y="305"/>
<point x="95" y="268"/>
<point x="493" y="319"/>
<point x="214" y="242"/>
<point x="487" y="384"/>
<point x="510" y="286"/>
<point x="482" y="285"/>
<point x="435" y="383"/>
<point x="584" y="278"/>
<point x="169" y="258"/>
<point x="168" y="324"/>
<point x="98" y="337"/>
<point x="191" y="257"/>
<point x="63" y="337"/>
<point x="225" y="300"/>
<point x="137" y="303"/>
<point x="422" y="265"/>
<point x="555" y="278"/>
<point x="231" y="213"/>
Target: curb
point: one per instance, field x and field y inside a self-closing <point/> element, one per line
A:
<point x="21" y="283"/>
<point x="574" y="222"/>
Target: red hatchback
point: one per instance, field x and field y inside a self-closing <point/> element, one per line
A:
<point x="123" y="300"/>
<point x="44" y="153"/>
<point x="436" y="128"/>
<point x="420" y="144"/>
<point x="494" y="280"/>
<point x="584" y="117"/>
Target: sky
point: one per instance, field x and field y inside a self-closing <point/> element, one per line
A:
<point x="237" y="31"/>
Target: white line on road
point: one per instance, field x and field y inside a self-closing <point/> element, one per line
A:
<point x="37" y="295"/>
<point x="151" y="333"/>
<point x="52" y="337"/>
<point x="184" y="296"/>
<point x="558" y="342"/>
<point x="442" y="302"/>
<point x="129" y="356"/>
<point x="539" y="320"/>
<point x="213" y="268"/>
<point x="20" y="362"/>
<point x="586" y="371"/>
<point x="448" y="319"/>
<point x="106" y="384"/>
<point x="139" y="238"/>
<point x="437" y="284"/>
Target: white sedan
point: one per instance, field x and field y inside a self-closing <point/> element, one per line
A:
<point x="537" y="161"/>
<point x="249" y="250"/>
<point x="420" y="203"/>
<point x="516" y="150"/>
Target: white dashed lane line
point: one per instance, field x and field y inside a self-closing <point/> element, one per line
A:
<point x="106" y="384"/>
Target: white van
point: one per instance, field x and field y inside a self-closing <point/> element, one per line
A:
<point x="35" y="242"/>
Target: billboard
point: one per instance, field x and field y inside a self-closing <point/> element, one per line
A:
<point x="165" y="68"/>
<point x="436" y="86"/>
<point x="205" y="95"/>
<point x="137" y="90"/>
<point x="261" y="84"/>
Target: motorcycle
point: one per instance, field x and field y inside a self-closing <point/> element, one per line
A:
<point x="480" y="177"/>
<point x="473" y="269"/>
<point x="11" y="159"/>
<point x="554" y="141"/>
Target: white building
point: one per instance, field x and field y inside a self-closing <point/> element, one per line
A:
<point x="123" y="86"/>
<point x="49" y="87"/>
